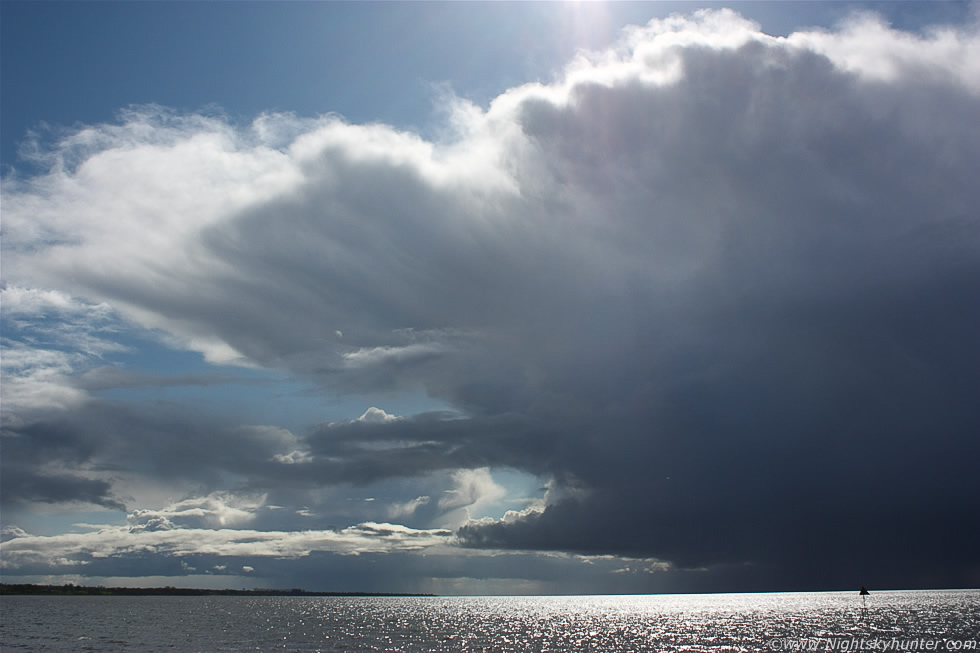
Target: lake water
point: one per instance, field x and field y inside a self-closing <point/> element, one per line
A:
<point x="897" y="621"/>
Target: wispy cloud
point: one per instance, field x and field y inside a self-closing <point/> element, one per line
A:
<point x="80" y="549"/>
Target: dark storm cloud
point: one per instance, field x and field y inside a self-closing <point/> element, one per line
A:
<point x="719" y="289"/>
<point x="170" y="444"/>
<point x="26" y="485"/>
<point x="105" y="441"/>
<point x="363" y="453"/>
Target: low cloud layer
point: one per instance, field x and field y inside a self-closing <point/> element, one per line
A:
<point x="716" y="289"/>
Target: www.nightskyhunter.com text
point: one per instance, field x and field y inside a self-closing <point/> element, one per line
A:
<point x="846" y="644"/>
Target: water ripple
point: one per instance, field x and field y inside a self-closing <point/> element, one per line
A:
<point x="690" y="623"/>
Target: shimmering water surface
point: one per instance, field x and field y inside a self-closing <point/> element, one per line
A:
<point x="735" y="622"/>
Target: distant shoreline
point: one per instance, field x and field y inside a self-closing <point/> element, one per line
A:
<point x="83" y="590"/>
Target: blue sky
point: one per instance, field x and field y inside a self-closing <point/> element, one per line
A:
<point x="489" y="297"/>
<point x="82" y="62"/>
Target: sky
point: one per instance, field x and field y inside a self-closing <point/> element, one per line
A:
<point x="490" y="298"/>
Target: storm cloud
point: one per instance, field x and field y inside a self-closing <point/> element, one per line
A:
<point x="716" y="289"/>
